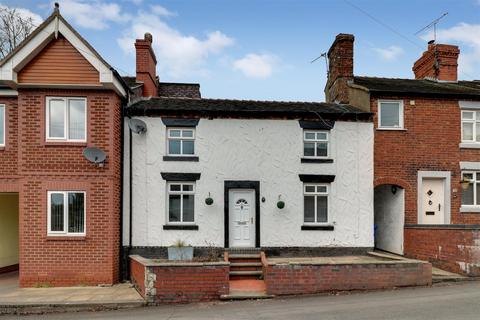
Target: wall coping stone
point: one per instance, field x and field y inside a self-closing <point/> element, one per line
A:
<point x="156" y="263"/>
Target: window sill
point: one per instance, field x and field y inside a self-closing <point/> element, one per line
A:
<point x="180" y="227"/>
<point x="469" y="145"/>
<point x="178" y="158"/>
<point x="315" y="160"/>
<point x="53" y="237"/>
<point x="317" y="227"/>
<point x="390" y="129"/>
<point x="472" y="209"/>
<point x="64" y="144"/>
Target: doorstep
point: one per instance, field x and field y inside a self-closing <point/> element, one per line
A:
<point x="246" y="289"/>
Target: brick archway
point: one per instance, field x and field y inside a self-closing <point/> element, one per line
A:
<point x="392" y="181"/>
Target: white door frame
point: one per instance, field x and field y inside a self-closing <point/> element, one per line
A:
<point x="446" y="177"/>
<point x="250" y="221"/>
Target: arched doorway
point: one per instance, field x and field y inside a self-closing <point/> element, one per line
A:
<point x="389" y="210"/>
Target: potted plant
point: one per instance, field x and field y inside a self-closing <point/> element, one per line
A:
<point x="180" y="251"/>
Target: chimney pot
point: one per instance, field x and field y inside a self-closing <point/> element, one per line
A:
<point x="148" y="37"/>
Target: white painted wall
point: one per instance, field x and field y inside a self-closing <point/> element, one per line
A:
<point x="265" y="150"/>
<point x="389" y="218"/>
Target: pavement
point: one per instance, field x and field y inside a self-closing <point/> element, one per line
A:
<point x="39" y="300"/>
<point x="446" y="301"/>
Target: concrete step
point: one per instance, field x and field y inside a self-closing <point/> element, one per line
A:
<point x="245" y="264"/>
<point x="246" y="296"/>
<point x="246" y="273"/>
<point x="244" y="256"/>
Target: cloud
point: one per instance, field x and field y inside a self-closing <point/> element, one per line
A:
<point x="162" y="11"/>
<point x="260" y="66"/>
<point x="25" y="14"/>
<point x="178" y="54"/>
<point x="468" y="37"/>
<point x="391" y="53"/>
<point x="93" y="14"/>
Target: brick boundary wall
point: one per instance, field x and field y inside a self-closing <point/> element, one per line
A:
<point x="454" y="250"/>
<point x="180" y="282"/>
<point x="288" y="279"/>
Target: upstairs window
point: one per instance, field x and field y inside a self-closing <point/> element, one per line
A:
<point x="315" y="203"/>
<point x="181" y="202"/>
<point x="471" y="126"/>
<point x="181" y="141"/>
<point x="315" y="144"/>
<point x="66" y="213"/>
<point x="390" y="115"/>
<point x="2" y="125"/>
<point x="66" y="119"/>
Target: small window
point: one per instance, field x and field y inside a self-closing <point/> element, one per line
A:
<point x="66" y="213"/>
<point x="181" y="202"/>
<point x="2" y="125"/>
<point x="471" y="195"/>
<point x="66" y="119"/>
<point x="181" y="141"/>
<point x="315" y="203"/>
<point x="315" y="144"/>
<point x="390" y="115"/>
<point x="471" y="126"/>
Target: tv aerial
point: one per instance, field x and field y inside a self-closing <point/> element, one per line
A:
<point x="95" y="155"/>
<point x="138" y="126"/>
<point x="322" y="55"/>
<point x="434" y="25"/>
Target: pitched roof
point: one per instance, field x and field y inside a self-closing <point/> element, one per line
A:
<point x="464" y="89"/>
<point x="245" y="108"/>
<point x="180" y="90"/>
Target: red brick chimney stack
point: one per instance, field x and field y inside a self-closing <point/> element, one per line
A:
<point x="439" y="62"/>
<point x="146" y="65"/>
<point x="340" y="58"/>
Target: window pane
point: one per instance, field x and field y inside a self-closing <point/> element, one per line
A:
<point x="76" y="120"/>
<point x="174" y="146"/>
<point x="188" y="147"/>
<point x="468" y="176"/>
<point x="477" y="115"/>
<point x="174" y="208"/>
<point x="467" y="131"/>
<point x="76" y="210"/>
<point x="321" y="135"/>
<point x="174" y="187"/>
<point x="2" y="125"/>
<point x="310" y="135"/>
<point x="478" y="193"/>
<point x="322" y="149"/>
<point x="309" y="149"/>
<point x="187" y="133"/>
<point x="467" y="195"/>
<point x="477" y="128"/>
<point x="187" y="187"/>
<point x="309" y="208"/>
<point x="309" y="189"/>
<point x="390" y="114"/>
<point x="56" y="119"/>
<point x="478" y="176"/>
<point x="322" y="189"/>
<point x="322" y="209"/>
<point x="188" y="205"/>
<point x="467" y="115"/>
<point x="174" y="133"/>
<point x="56" y="212"/>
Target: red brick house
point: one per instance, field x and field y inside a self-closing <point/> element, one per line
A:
<point x="426" y="154"/>
<point x="58" y="97"/>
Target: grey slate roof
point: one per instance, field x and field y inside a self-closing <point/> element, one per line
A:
<point x="245" y="108"/>
<point x="466" y="89"/>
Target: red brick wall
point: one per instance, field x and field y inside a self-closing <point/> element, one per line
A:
<point x="9" y="153"/>
<point x="307" y="279"/>
<point x="439" y="62"/>
<point x="64" y="261"/>
<point x="430" y="143"/>
<point x="190" y="284"/>
<point x="137" y="274"/>
<point x="453" y="250"/>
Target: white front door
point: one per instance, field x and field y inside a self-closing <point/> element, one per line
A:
<point x="433" y="192"/>
<point x="242" y="218"/>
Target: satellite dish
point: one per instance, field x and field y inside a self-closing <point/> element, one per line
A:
<point x="94" y="155"/>
<point x="137" y="126"/>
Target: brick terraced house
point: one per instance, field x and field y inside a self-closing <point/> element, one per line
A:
<point x="427" y="154"/>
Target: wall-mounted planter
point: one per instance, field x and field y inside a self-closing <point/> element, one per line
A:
<point x="280" y="204"/>
<point x="209" y="201"/>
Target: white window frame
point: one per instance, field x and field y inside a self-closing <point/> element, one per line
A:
<point x="327" y="140"/>
<point x="476" y="183"/>
<point x="65" y="214"/>
<point x="4" y="138"/>
<point x="181" y="193"/>
<point x="474" y="121"/>
<point x="401" y="115"/>
<point x="66" y="116"/>
<point x="181" y="138"/>
<point x="316" y="194"/>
